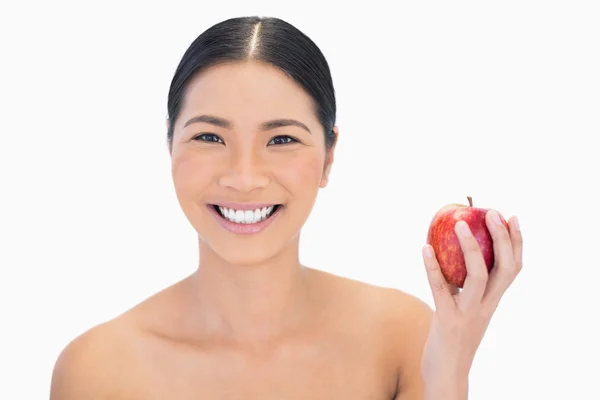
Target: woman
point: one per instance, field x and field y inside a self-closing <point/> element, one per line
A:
<point x="251" y="134"/>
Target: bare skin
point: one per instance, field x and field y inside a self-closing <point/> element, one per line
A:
<point x="358" y="342"/>
<point x="251" y="322"/>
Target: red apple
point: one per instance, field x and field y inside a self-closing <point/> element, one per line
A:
<point x="445" y="243"/>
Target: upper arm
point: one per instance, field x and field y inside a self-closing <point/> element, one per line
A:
<point x="412" y="318"/>
<point x="81" y="370"/>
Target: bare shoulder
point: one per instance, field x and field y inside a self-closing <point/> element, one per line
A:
<point x="104" y="362"/>
<point x="407" y="312"/>
<point x="408" y="321"/>
<point x="399" y="323"/>
<point x="403" y="317"/>
<point x="406" y="329"/>
<point x="390" y="305"/>
<point x="91" y="366"/>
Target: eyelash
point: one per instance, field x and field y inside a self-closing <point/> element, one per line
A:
<point x="208" y="135"/>
<point x="291" y="139"/>
<point x="202" y="137"/>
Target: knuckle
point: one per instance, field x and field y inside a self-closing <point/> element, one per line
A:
<point x="431" y="267"/>
<point x="516" y="243"/>
<point x="438" y="286"/>
<point x="502" y="235"/>
<point x="517" y="237"/>
<point x="512" y="267"/>
<point x="471" y="246"/>
<point x="518" y="266"/>
<point x="516" y="233"/>
<point x="479" y="279"/>
<point x="508" y="273"/>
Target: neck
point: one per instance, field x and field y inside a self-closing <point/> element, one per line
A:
<point x="251" y="302"/>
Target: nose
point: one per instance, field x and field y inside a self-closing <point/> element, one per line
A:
<point x="246" y="173"/>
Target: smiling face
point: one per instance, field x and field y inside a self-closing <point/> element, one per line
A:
<point x="247" y="139"/>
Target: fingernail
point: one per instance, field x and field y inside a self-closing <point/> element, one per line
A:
<point x="463" y="228"/>
<point x="517" y="224"/>
<point x="496" y="218"/>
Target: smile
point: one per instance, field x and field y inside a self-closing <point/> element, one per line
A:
<point x="245" y="219"/>
<point x="246" y="216"/>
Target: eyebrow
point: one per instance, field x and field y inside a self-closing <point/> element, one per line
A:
<point x="265" y="126"/>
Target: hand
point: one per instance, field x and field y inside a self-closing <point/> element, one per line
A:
<point x="461" y="318"/>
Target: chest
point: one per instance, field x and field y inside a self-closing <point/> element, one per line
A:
<point x="313" y="370"/>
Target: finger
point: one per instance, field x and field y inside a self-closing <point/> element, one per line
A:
<point x="477" y="273"/>
<point x="442" y="294"/>
<point x="453" y="290"/>
<point x="517" y="242"/>
<point x="505" y="267"/>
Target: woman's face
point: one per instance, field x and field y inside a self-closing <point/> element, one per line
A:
<point x="247" y="139"/>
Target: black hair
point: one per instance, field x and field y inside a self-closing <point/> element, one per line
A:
<point x="265" y="39"/>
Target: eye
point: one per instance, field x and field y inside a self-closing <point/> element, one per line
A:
<point x="208" y="137"/>
<point x="284" y="139"/>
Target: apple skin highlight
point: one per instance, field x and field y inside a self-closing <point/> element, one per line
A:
<point x="445" y="243"/>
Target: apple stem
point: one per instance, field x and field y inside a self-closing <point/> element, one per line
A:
<point x="470" y="201"/>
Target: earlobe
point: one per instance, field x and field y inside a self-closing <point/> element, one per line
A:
<point x="324" y="182"/>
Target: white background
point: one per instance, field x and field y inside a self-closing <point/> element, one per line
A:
<point x="437" y="101"/>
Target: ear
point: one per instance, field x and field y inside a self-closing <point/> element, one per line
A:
<point x="329" y="157"/>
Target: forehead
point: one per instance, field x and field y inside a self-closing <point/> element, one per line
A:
<point x="247" y="91"/>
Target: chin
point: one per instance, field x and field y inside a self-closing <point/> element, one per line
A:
<point x="250" y="254"/>
<point x="246" y="244"/>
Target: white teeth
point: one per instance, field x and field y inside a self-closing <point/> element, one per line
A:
<point x="246" y="216"/>
<point x="239" y="216"/>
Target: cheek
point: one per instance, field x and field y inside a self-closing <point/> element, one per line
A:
<point x="190" y="172"/>
<point x="303" y="171"/>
